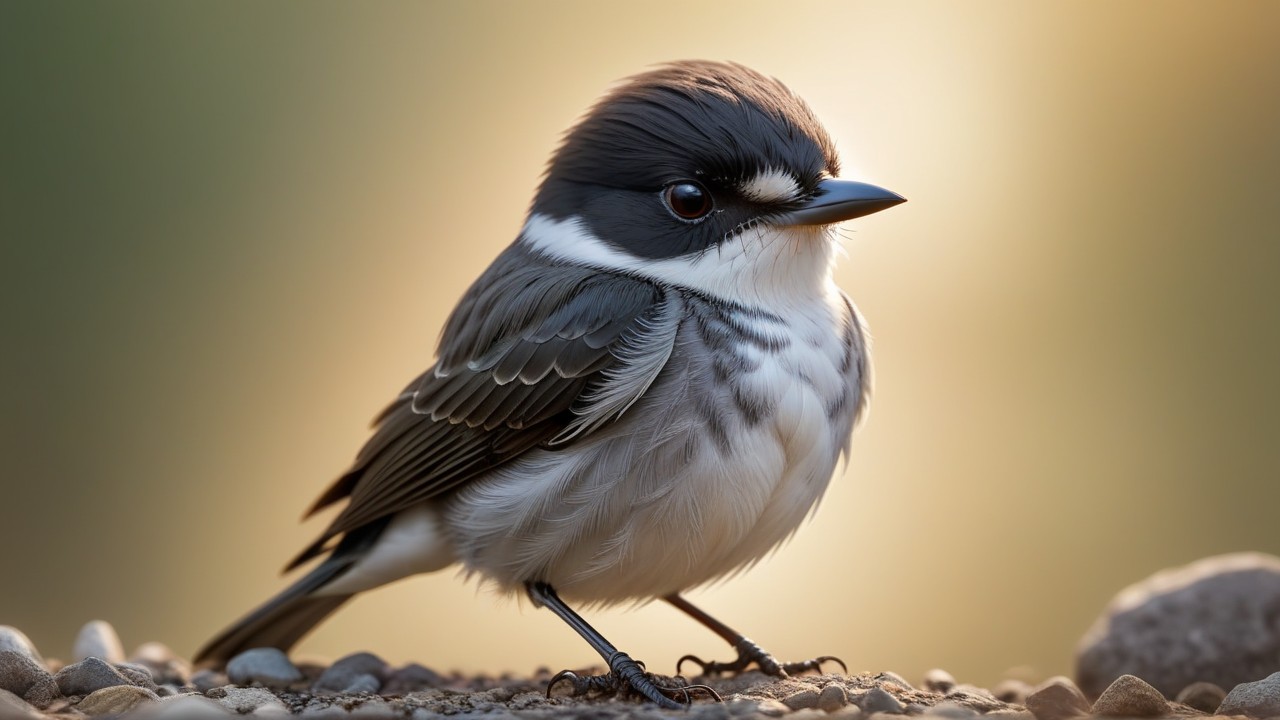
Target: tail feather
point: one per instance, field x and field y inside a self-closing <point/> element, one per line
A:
<point x="281" y="621"/>
<point x="284" y="619"/>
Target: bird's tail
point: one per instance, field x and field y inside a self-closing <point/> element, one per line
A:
<point x="281" y="621"/>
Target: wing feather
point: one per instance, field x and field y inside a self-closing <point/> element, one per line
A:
<point x="533" y="350"/>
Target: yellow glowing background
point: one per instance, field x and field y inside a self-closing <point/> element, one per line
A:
<point x="232" y="231"/>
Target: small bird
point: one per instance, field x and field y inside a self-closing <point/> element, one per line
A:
<point x="648" y="390"/>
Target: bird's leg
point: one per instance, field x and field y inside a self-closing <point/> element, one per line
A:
<point x="748" y="651"/>
<point x="624" y="673"/>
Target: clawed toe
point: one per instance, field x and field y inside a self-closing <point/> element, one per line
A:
<point x="628" y="676"/>
<point x="750" y="654"/>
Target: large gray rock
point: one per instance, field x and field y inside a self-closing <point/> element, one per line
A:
<point x="1216" y="620"/>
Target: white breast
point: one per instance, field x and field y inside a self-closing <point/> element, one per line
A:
<point x="653" y="503"/>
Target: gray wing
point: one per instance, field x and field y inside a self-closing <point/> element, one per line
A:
<point x="522" y="363"/>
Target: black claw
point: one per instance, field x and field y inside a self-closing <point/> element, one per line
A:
<point x="749" y="653"/>
<point x="628" y="676"/>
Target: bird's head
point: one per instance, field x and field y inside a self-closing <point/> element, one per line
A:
<point x="694" y="157"/>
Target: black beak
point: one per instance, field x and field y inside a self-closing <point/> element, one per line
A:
<point x="838" y="200"/>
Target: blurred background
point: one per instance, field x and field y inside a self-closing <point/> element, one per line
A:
<point x="232" y="232"/>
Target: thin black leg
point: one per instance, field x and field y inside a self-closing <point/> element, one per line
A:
<point x="623" y="671"/>
<point x="748" y="651"/>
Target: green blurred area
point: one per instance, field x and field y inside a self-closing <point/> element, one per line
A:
<point x="232" y="231"/>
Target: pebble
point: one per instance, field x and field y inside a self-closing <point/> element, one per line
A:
<point x="11" y="638"/>
<point x="247" y="700"/>
<point x="206" y="680"/>
<point x="1129" y="696"/>
<point x="115" y="700"/>
<point x="363" y="684"/>
<point x="165" y="666"/>
<point x="953" y="710"/>
<point x="12" y="706"/>
<point x="879" y="700"/>
<point x="98" y="639"/>
<point x="1203" y="696"/>
<point x="19" y="672"/>
<point x="1211" y="621"/>
<point x="832" y="698"/>
<point x="43" y="693"/>
<point x="1259" y="699"/>
<point x="267" y="666"/>
<point x="807" y="698"/>
<point x="184" y="707"/>
<point x="138" y="675"/>
<point x="1057" y="698"/>
<point x="1012" y="691"/>
<point x="894" y="677"/>
<point x="771" y="708"/>
<point x="340" y="675"/>
<point x="88" y="675"/>
<point x="412" y="678"/>
<point x="939" y="681"/>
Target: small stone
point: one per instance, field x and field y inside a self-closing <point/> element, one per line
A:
<point x="342" y="673"/>
<point x="771" y="708"/>
<point x="832" y="698"/>
<point x="98" y="639"/>
<point x="1259" y="699"/>
<point x="1129" y="696"/>
<point x="272" y="711"/>
<point x="412" y="678"/>
<point x="267" y="666"/>
<point x="1057" y="698"/>
<point x="953" y="710"/>
<point x="206" y="680"/>
<point x="1009" y="714"/>
<point x="1203" y="696"/>
<point x="377" y="708"/>
<point x="710" y="711"/>
<point x="18" y="672"/>
<point x="182" y="707"/>
<point x="165" y="666"/>
<point x="11" y="638"/>
<point x="246" y="700"/>
<point x="115" y="700"/>
<point x="12" y="706"/>
<point x="90" y="674"/>
<point x="43" y="693"/>
<point x="894" y="677"/>
<point x="801" y="700"/>
<point x="939" y="681"/>
<point x="879" y="700"/>
<point x="365" y="683"/>
<point x="138" y="675"/>
<point x="1012" y="691"/>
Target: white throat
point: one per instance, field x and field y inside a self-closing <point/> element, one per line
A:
<point x="764" y="266"/>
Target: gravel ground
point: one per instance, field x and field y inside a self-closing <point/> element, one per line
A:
<point x="152" y="682"/>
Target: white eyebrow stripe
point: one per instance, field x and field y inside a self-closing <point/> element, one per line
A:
<point x="771" y="186"/>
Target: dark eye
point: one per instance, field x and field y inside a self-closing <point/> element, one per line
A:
<point x="687" y="199"/>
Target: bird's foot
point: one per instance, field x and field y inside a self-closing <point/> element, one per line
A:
<point x="750" y="653"/>
<point x="628" y="676"/>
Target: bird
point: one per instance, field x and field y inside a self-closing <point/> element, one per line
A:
<point x="648" y="390"/>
